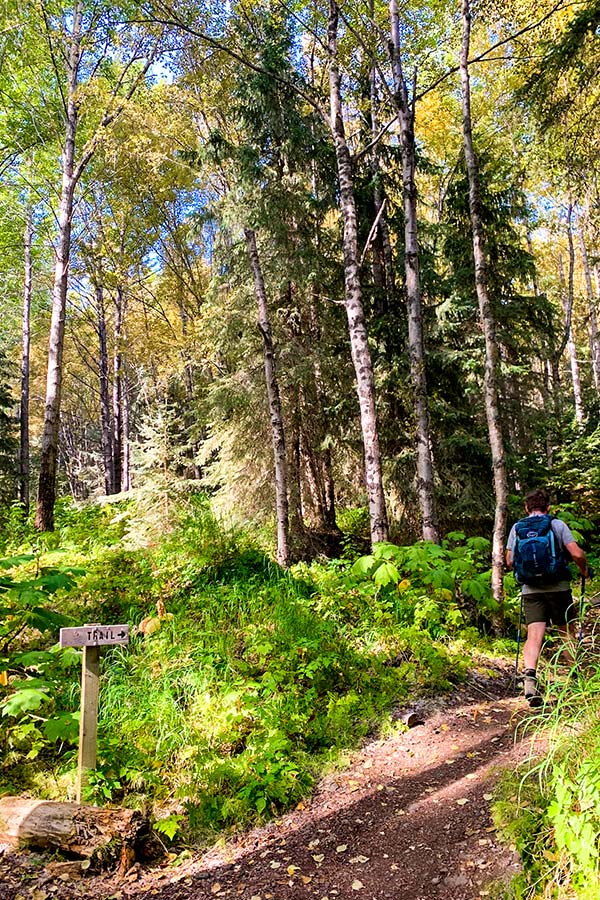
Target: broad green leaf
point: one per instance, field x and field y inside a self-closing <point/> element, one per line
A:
<point x="386" y="573"/>
<point x="24" y="700"/>
<point x="64" y="727"/>
<point x="363" y="565"/>
<point x="13" y="561"/>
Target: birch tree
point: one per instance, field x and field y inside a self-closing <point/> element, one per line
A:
<point x="416" y="350"/>
<point x="79" y="46"/>
<point x="488" y="324"/>
<point x="361" y="355"/>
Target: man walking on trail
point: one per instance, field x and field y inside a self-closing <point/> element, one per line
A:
<point x="539" y="549"/>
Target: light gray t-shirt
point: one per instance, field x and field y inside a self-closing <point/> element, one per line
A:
<point x="564" y="537"/>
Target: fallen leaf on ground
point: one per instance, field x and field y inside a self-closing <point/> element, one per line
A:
<point x="357" y="885"/>
<point x="215" y="888"/>
<point x="462" y="801"/>
<point x="359" y="859"/>
<point x="341" y="848"/>
<point x="319" y="857"/>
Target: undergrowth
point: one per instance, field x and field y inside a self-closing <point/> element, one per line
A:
<point x="241" y="681"/>
<point x="550" y="808"/>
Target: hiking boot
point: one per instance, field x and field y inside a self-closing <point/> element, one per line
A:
<point x="530" y="686"/>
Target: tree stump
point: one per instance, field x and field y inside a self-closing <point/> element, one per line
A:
<point x="104" y="836"/>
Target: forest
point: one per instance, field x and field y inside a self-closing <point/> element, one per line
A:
<point x="299" y="299"/>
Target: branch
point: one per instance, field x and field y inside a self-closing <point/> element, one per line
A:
<point x="372" y="232"/>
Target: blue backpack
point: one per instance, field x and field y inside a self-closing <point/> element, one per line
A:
<point x="538" y="558"/>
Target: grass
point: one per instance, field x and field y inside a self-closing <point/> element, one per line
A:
<point x="550" y="808"/>
<point x="241" y="682"/>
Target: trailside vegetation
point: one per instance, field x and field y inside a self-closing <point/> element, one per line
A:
<point x="297" y="302"/>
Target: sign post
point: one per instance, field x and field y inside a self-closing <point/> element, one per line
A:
<point x="91" y="638"/>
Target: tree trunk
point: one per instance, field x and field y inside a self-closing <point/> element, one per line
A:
<point x="492" y="361"/>
<point x="44" y="520"/>
<point x="593" y="333"/>
<point x="416" y="350"/>
<point x="105" y="417"/>
<point x="550" y="420"/>
<point x="567" y="298"/>
<point x="100" y="835"/>
<point x="277" y="431"/>
<point x="117" y="394"/>
<point x="378" y="194"/>
<point x="359" y="346"/>
<point x="125" y="442"/>
<point x="24" y="473"/>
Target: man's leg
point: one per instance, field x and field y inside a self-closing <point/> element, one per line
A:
<point x="533" y="644"/>
<point x="531" y="654"/>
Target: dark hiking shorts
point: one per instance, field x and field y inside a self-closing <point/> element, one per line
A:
<point x="555" y="608"/>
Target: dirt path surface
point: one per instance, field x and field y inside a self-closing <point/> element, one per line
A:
<point x="407" y="820"/>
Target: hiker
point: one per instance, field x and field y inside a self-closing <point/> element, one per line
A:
<point x="539" y="549"/>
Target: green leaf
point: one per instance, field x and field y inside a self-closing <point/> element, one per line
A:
<point x="64" y="727"/>
<point x="169" y="826"/>
<point x="386" y="574"/>
<point x="363" y="565"/>
<point x="13" y="561"/>
<point x="24" y="700"/>
<point x="46" y="619"/>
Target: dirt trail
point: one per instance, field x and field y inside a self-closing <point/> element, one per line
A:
<point x="408" y="819"/>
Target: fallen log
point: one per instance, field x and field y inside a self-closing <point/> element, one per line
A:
<point x="104" y="836"/>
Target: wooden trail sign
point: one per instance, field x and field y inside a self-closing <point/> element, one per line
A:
<point x="94" y="635"/>
<point x="91" y="638"/>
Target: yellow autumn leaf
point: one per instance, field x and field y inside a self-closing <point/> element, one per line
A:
<point x="462" y="801"/>
<point x="357" y="885"/>
<point x="292" y="869"/>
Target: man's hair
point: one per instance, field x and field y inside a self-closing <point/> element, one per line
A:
<point x="539" y="499"/>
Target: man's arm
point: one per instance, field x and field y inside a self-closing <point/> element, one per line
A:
<point x="579" y="558"/>
<point x="509" y="559"/>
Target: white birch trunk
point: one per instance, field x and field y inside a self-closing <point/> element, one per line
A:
<point x="49" y="457"/>
<point x="359" y="346"/>
<point x="416" y="349"/>
<point x="105" y="412"/>
<point x="24" y="473"/>
<point x="567" y="298"/>
<point x="593" y="332"/>
<point x="488" y="324"/>
<point x="277" y="430"/>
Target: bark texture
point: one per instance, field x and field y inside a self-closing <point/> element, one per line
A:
<point x="567" y="299"/>
<point x="24" y="474"/>
<point x="593" y="332"/>
<point x="100" y="835"/>
<point x="416" y="348"/>
<point x="105" y="411"/>
<point x="277" y="430"/>
<point x="488" y="324"/>
<point x="359" y="346"/>
<point x="44" y="520"/>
